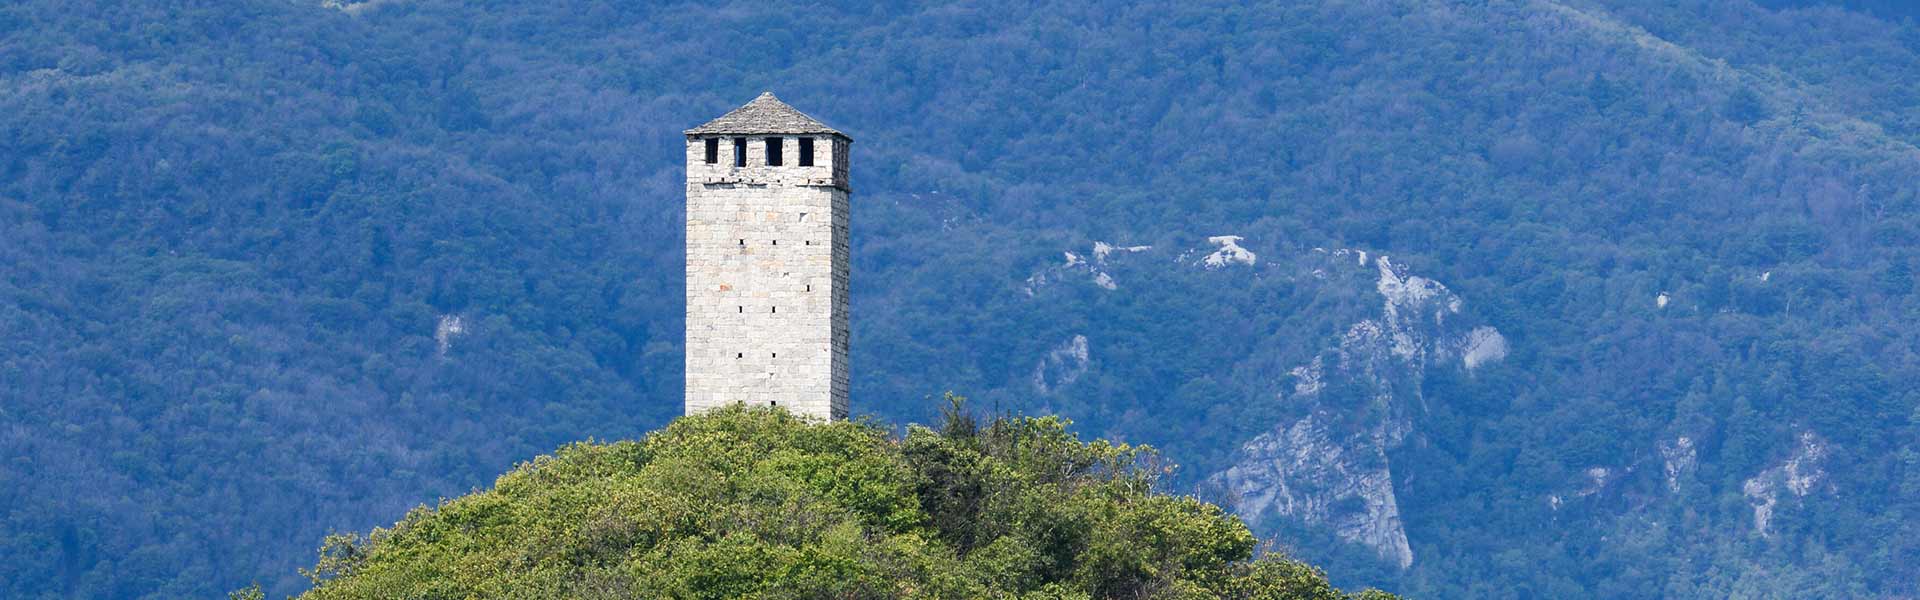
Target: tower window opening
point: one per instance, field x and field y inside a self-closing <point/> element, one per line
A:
<point x="776" y="242"/>
<point x="809" y="287"/>
<point x="713" y="150"/>
<point x="740" y="355"/>
<point x="774" y="158"/>
<point x="739" y="152"/>
<point x="743" y="241"/>
<point x="743" y="309"/>
<point x="775" y="309"/>
<point x="806" y="152"/>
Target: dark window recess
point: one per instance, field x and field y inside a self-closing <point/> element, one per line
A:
<point x="806" y="152"/>
<point x="809" y="287"/>
<point x="743" y="241"/>
<point x="775" y="309"/>
<point x="774" y="158"/>
<point x="713" y="150"/>
<point x="739" y="152"/>
<point x="743" y="309"/>
<point x="776" y="355"/>
<point x="740" y="355"/>
<point x="775" y="242"/>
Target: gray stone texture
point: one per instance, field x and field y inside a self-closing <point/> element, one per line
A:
<point x="767" y="269"/>
<point x="764" y="115"/>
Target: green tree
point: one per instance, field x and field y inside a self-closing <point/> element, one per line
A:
<point x="758" y="503"/>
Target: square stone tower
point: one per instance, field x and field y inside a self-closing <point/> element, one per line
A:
<point x="767" y="262"/>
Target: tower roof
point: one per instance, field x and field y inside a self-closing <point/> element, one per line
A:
<point x="765" y="114"/>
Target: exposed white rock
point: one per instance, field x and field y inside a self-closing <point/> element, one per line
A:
<point x="1405" y="291"/>
<point x="1063" y="365"/>
<point x="1309" y="379"/>
<point x="355" y="7"/>
<point x="1767" y="276"/>
<point x="1484" y="345"/>
<point x="1102" y="249"/>
<point x="1360" y="256"/>
<point x="1661" y="300"/>
<point x="1797" y="475"/>
<point x="451" y="326"/>
<point x="1229" y="253"/>
<point x="1301" y="472"/>
<point x="1597" y="478"/>
<point x="1365" y="332"/>
<point x="1105" y="281"/>
<point x="1034" y="282"/>
<point x="1076" y="263"/>
<point x="1678" y="457"/>
<point x="1407" y="297"/>
<point x="1414" y="313"/>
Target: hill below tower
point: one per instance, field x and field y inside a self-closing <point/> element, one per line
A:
<point x="758" y="503"/>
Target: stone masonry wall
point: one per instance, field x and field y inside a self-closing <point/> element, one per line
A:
<point x="767" y="275"/>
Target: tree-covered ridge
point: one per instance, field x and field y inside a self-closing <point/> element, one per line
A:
<point x="758" y="503"/>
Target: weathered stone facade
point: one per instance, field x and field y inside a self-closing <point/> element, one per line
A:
<point x="767" y="263"/>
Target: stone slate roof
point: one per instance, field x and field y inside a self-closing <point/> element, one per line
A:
<point x="765" y="114"/>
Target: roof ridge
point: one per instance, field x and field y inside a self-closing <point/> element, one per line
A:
<point x="765" y="114"/>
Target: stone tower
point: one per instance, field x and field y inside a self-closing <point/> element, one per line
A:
<point x="767" y="262"/>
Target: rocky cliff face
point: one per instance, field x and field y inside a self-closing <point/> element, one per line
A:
<point x="1305" y="471"/>
<point x="1066" y="363"/>
<point x="1799" y="474"/>
<point x="1344" y="407"/>
<point x="1330" y="466"/>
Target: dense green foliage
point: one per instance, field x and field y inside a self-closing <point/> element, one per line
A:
<point x="760" y="504"/>
<point x="229" y="232"/>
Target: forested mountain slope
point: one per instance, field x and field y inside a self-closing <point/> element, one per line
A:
<point x="1510" y="299"/>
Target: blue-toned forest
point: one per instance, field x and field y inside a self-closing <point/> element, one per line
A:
<point x="1486" y="298"/>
